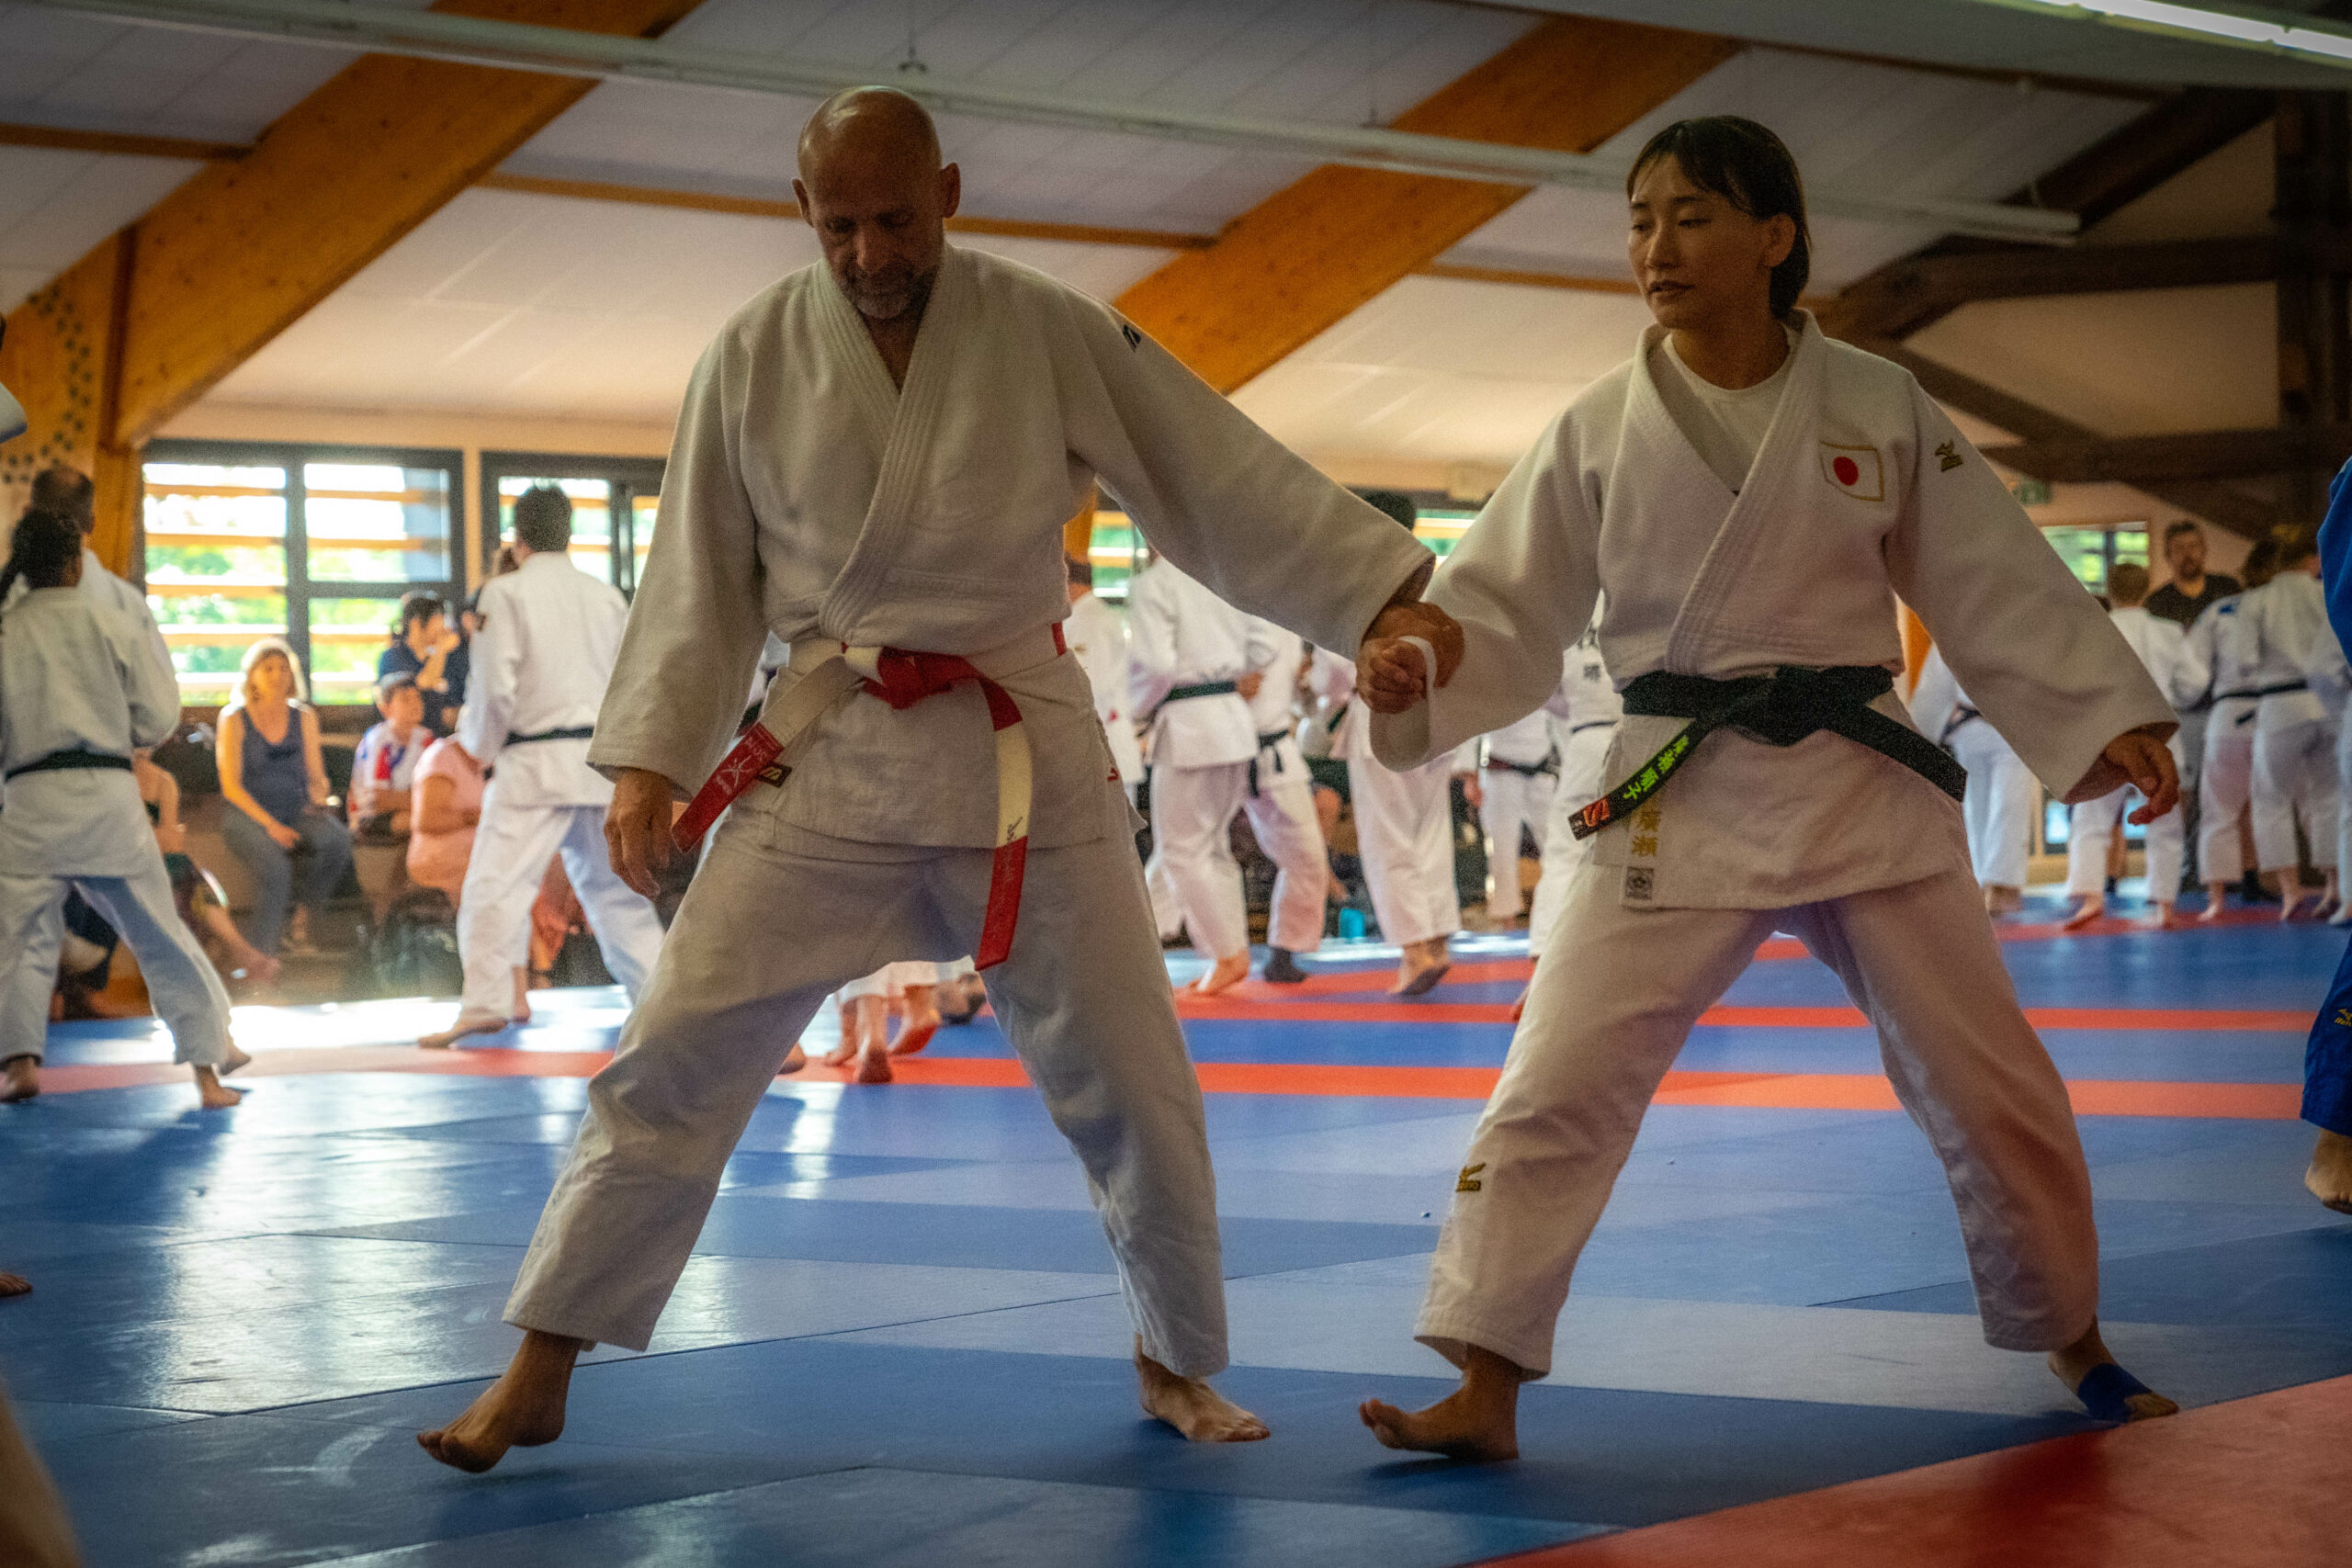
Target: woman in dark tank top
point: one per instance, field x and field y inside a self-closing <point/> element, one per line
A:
<point x="276" y="783"/>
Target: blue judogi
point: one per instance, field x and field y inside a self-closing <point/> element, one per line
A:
<point x="2327" y="1060"/>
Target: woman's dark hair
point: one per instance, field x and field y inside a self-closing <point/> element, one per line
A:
<point x="46" y="543"/>
<point x="418" y="606"/>
<point x="1748" y="166"/>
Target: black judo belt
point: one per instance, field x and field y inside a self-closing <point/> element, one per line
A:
<point x="1266" y="742"/>
<point x="577" y="732"/>
<point x="1198" y="689"/>
<point x="2254" y="694"/>
<point x="1779" y="709"/>
<point x="65" y="761"/>
<point x="1550" y="764"/>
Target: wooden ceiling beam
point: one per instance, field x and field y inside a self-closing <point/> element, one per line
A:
<point x="2195" y="455"/>
<point x="1301" y="260"/>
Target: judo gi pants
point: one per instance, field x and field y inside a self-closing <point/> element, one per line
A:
<point x="2327" y="1057"/>
<point x="1404" y="838"/>
<point x="512" y="847"/>
<point x="2094" y="822"/>
<point x="1282" y="815"/>
<point x="182" y="986"/>
<point x="2225" y="788"/>
<point x="774" y="922"/>
<point x="1511" y="800"/>
<point x="2294" y="780"/>
<point x="2002" y="795"/>
<point x="1584" y="759"/>
<point x="1191" y="834"/>
<point x="1613" y="999"/>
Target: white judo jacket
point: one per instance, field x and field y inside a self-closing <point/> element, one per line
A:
<point x="2280" y="623"/>
<point x="2165" y="653"/>
<point x="541" y="662"/>
<point x="1862" y="490"/>
<point x="1097" y="637"/>
<point x="74" y="677"/>
<point x="1182" y="634"/>
<point x="809" y="496"/>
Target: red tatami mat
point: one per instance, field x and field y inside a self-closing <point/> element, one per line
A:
<point x="2260" y="1483"/>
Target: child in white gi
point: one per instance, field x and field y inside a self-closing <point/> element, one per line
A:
<point x="78" y="689"/>
<point x="1752" y="528"/>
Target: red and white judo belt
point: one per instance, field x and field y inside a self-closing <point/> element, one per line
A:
<point x="827" y="673"/>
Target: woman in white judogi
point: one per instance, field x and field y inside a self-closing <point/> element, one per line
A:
<point x="2002" y="791"/>
<point x="2163" y="652"/>
<point x="2294" y="733"/>
<point x="1281" y="808"/>
<point x="1517" y="773"/>
<point x="79" y="689"/>
<point x="2220" y="641"/>
<point x="1761" y="595"/>
<point x="2330" y="675"/>
<point x="1194" y="662"/>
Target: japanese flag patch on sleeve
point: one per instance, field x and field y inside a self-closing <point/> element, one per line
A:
<point x="1854" y="469"/>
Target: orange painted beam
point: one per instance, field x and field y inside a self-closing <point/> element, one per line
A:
<point x="2256" y="1483"/>
<point x="1304" y="257"/>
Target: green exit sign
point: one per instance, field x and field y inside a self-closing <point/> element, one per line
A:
<point x="2031" y="492"/>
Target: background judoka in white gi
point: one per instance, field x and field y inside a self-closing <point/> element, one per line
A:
<point x="1518" y="776"/>
<point x="2165" y="652"/>
<point x="78" y="677"/>
<point x="823" y="493"/>
<point x="2003" y="793"/>
<point x="1097" y="637"/>
<point x="1280" y="803"/>
<point x="1583" y="733"/>
<point x="2331" y="677"/>
<point x="1860" y="490"/>
<point x="1181" y="635"/>
<point x="2295" y="783"/>
<point x="2222" y="641"/>
<point x="540" y="662"/>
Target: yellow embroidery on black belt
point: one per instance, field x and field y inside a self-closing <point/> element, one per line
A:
<point x="1469" y="1181"/>
<point x="1948" y="457"/>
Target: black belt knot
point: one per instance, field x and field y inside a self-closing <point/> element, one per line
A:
<point x="1779" y="709"/>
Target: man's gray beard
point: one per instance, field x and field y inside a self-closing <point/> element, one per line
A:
<point x="890" y="307"/>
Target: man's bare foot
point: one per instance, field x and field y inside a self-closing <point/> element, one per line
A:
<point x="794" y="1060"/>
<point x="19" y="1078"/>
<point x="15" y="1285"/>
<point x="478" y="1025"/>
<point x="1420" y="966"/>
<point x="522" y="1410"/>
<point x="2090" y="909"/>
<point x="2168" y="918"/>
<point x="1477" y="1422"/>
<point x="237" y="1059"/>
<point x="2329" y="1178"/>
<point x="920" y="1024"/>
<point x="2216" y="905"/>
<point x="2077" y="1361"/>
<point x="1192" y="1406"/>
<point x="874" y="1067"/>
<point x="1224" y="974"/>
<point x="214" y="1095"/>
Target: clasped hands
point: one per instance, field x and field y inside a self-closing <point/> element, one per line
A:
<point x="1390" y="675"/>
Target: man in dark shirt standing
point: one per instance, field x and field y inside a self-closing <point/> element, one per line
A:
<point x="2192" y="587"/>
<point x="2184" y="599"/>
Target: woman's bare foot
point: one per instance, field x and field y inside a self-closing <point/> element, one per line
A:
<point x="2216" y="903"/>
<point x="214" y="1095"/>
<point x="921" y="1022"/>
<point x="19" y="1078"/>
<point x="2090" y="1353"/>
<point x="522" y="1410"/>
<point x="794" y="1060"/>
<point x="2329" y="1178"/>
<point x="1224" y="974"/>
<point x="15" y="1285"/>
<point x="478" y="1025"/>
<point x="1192" y="1406"/>
<point x="2092" y="907"/>
<point x="1477" y="1422"/>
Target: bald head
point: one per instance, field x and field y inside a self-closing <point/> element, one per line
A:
<point x="872" y="185"/>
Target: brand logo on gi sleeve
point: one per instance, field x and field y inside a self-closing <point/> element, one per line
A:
<point x="1468" y="1181"/>
<point x="1854" y="469"/>
<point x="1128" y="330"/>
<point x="1948" y="456"/>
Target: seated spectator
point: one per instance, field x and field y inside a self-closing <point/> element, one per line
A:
<point x="444" y="794"/>
<point x="427" y="647"/>
<point x="202" y="908"/>
<point x="275" y="779"/>
<point x="386" y="762"/>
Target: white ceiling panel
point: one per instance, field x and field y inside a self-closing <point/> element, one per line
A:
<point x="56" y="206"/>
